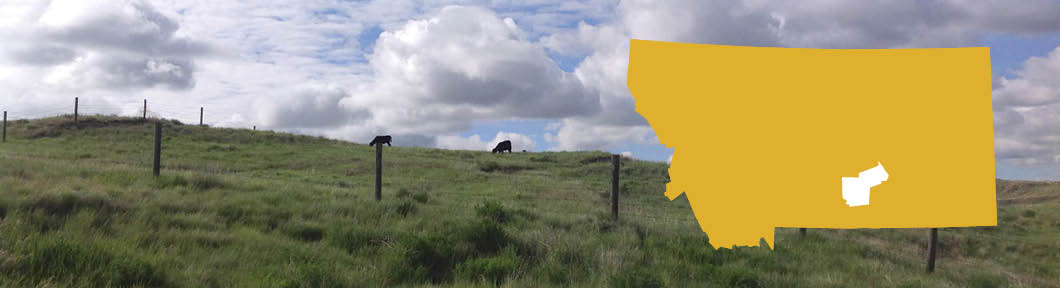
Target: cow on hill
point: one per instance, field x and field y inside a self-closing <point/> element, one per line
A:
<point x="380" y="140"/>
<point x="505" y="145"/>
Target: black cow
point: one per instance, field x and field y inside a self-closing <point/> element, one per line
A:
<point x="503" y="146"/>
<point x="380" y="140"/>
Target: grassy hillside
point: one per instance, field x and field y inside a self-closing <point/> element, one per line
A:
<point x="79" y="207"/>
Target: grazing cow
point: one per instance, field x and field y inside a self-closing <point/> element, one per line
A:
<point x="380" y="140"/>
<point x="503" y="146"/>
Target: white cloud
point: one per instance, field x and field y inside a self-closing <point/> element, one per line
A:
<point x="466" y="64"/>
<point x="439" y="75"/>
<point x="1027" y="113"/>
<point x="627" y="154"/>
<point x="714" y="22"/>
<point x="1035" y="84"/>
<point x="897" y="24"/>
<point x="312" y="106"/>
<point x="577" y="134"/>
<point x="438" y="70"/>
<point x="66" y="47"/>
<point x="474" y="142"/>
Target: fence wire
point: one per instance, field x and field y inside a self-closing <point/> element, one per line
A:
<point x="186" y="114"/>
<point x="575" y="200"/>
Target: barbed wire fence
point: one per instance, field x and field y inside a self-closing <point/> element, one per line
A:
<point x="675" y="219"/>
<point x="192" y="114"/>
<point x="211" y="113"/>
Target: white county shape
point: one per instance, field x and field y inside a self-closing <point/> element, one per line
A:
<point x="856" y="189"/>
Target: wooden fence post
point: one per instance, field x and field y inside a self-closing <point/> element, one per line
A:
<point x="615" y="159"/>
<point x="5" y="127"/>
<point x="145" y="109"/>
<point x="158" y="148"/>
<point x="200" y="116"/>
<point x="75" y="111"/>
<point x="378" y="171"/>
<point x="932" y="246"/>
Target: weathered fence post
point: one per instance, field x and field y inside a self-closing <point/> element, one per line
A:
<point x="255" y="127"/>
<point x="75" y="111"/>
<point x="145" y="109"/>
<point x="616" y="159"/>
<point x="378" y="171"/>
<point x="802" y="232"/>
<point x="932" y="246"/>
<point x="200" y="116"/>
<point x="158" y="147"/>
<point x="5" y="127"/>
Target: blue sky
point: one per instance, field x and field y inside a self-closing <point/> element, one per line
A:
<point x="466" y="74"/>
<point x="1007" y="54"/>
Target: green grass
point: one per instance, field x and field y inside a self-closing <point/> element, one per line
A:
<point x="239" y="208"/>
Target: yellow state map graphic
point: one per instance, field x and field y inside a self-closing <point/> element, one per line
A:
<point x="764" y="137"/>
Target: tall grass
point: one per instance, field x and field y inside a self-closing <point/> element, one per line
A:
<point x="238" y="208"/>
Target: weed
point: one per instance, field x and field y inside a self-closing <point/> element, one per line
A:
<point x="486" y="237"/>
<point x="303" y="231"/>
<point x="402" y="193"/>
<point x="315" y="275"/>
<point x="491" y="166"/>
<point x="491" y="269"/>
<point x="433" y="257"/>
<point x="636" y="278"/>
<point x="596" y="159"/>
<point x="221" y="148"/>
<point x="198" y="182"/>
<point x="568" y="263"/>
<point x="422" y="259"/>
<point x="354" y="238"/>
<point x="233" y="213"/>
<point x="543" y="158"/>
<point x="50" y="211"/>
<point x="22" y="174"/>
<point x="169" y="181"/>
<point x="406" y="208"/>
<point x="642" y="187"/>
<point x="203" y="182"/>
<point x="251" y="212"/>
<point x="986" y="280"/>
<point x="494" y="211"/>
<point x="87" y="262"/>
<point x="733" y="276"/>
<point x="421" y="197"/>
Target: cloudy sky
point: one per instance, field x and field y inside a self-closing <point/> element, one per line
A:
<point x="549" y="75"/>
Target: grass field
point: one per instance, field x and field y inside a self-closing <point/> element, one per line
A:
<point x="240" y="208"/>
